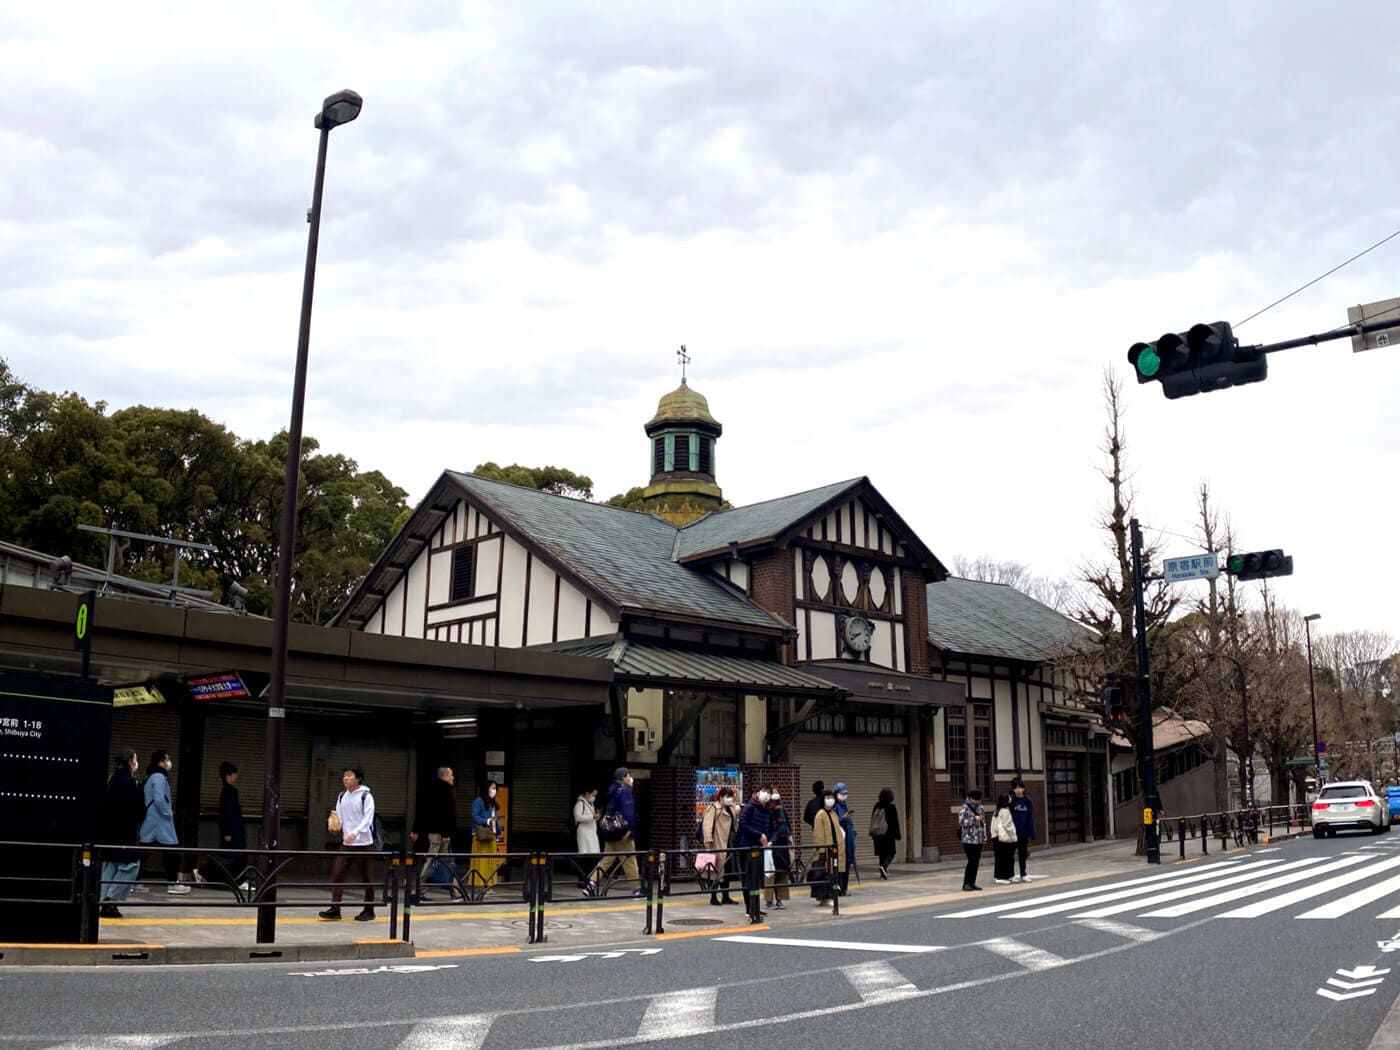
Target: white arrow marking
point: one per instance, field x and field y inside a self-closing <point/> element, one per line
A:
<point x="580" y="956"/>
<point x="1364" y="971"/>
<point x="466" y="1032"/>
<point x="879" y="982"/>
<point x="1354" y="984"/>
<point x="678" y="1014"/>
<point x="1341" y="997"/>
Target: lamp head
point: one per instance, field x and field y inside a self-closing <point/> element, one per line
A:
<point x="1312" y="617"/>
<point x="340" y="108"/>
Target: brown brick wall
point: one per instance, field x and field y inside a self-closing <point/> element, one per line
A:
<point x="787" y="779"/>
<point x="771" y="587"/>
<point x="940" y="825"/>
<point x="915" y="599"/>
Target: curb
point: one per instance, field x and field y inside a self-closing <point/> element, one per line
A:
<point x="162" y="955"/>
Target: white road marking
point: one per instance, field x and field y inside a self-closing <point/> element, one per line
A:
<point x="1121" y="929"/>
<point x="1350" y="985"/>
<point x="678" y="1014"/>
<point x="1026" y="956"/>
<point x="1216" y="868"/>
<point x="1296" y="871"/>
<point x="1275" y="903"/>
<point x="1343" y="996"/>
<point x="850" y="946"/>
<point x="879" y="982"/>
<point x="116" y="1042"/>
<point x="1171" y="891"/>
<point x="1352" y="901"/>
<point x="466" y="1032"/>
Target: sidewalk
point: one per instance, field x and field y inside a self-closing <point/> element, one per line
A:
<point x="185" y="932"/>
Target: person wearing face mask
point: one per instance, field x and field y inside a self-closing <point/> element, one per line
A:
<point x="829" y="851"/>
<point x="486" y="828"/>
<point x="621" y="808"/>
<point x="777" y="887"/>
<point x="848" y="825"/>
<point x="585" y="819"/>
<point x="158" y="829"/>
<point x="717" y="828"/>
<point x="756" y="831"/>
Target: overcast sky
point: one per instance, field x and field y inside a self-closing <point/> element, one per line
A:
<point x="901" y="240"/>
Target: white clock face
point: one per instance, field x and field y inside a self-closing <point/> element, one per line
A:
<point x="858" y="633"/>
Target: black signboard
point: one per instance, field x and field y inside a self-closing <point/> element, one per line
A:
<point x="54" y="762"/>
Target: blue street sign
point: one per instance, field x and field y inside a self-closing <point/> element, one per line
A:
<point x="1194" y="567"/>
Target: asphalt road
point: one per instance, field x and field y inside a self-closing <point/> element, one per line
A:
<point x="1225" y="952"/>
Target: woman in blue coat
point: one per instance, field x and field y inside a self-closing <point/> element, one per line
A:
<point x="158" y="829"/>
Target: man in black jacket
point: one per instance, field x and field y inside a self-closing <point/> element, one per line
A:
<point x="815" y="805"/>
<point x="122" y="813"/>
<point x="437" y="819"/>
<point x="230" y="868"/>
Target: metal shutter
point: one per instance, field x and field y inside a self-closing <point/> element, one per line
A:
<point x="386" y="774"/>
<point x="241" y="739"/>
<point x="146" y="728"/>
<point x="867" y="768"/>
<point x="541" y="796"/>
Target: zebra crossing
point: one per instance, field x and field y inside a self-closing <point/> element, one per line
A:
<point x="1325" y="887"/>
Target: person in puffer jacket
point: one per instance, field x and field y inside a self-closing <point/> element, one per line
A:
<point x="972" y="826"/>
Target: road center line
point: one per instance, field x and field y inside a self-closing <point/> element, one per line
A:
<point x="879" y="982"/>
<point x="677" y="1014"/>
<point x="1024" y="955"/>
<point x="465" y="1032"/>
<point x="850" y="946"/>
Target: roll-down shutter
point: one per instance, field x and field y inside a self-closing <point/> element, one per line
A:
<point x="866" y="767"/>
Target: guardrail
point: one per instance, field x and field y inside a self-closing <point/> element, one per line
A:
<point x="1241" y="826"/>
<point x="277" y="879"/>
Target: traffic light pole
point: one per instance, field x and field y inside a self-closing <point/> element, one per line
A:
<point x="1152" y="805"/>
<point x="1323" y="337"/>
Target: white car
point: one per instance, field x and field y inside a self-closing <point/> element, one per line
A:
<point x="1349" y="804"/>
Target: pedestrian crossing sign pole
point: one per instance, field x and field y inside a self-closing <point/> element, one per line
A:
<point x="1152" y="804"/>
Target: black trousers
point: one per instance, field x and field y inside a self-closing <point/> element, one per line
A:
<point x="974" y="861"/>
<point x="1023" y="847"/>
<point x="1004" y="856"/>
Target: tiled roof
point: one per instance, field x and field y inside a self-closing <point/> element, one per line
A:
<point x="643" y="660"/>
<point x="1169" y="729"/>
<point x="623" y="555"/>
<point x="758" y="521"/>
<point x="998" y="621"/>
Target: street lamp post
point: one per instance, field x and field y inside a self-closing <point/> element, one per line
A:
<point x="340" y="108"/>
<point x="1312" y="697"/>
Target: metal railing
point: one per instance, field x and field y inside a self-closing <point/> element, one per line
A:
<point x="1242" y="827"/>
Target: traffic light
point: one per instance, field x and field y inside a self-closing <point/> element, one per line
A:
<point x="1115" y="714"/>
<point x="1207" y="357"/>
<point x="1259" y="565"/>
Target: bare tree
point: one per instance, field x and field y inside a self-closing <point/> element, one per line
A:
<point x="1056" y="593"/>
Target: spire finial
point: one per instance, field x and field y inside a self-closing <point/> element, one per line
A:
<point x="682" y="359"/>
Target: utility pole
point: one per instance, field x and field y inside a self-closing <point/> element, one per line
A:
<point x="1152" y="805"/>
<point x="1312" y="697"/>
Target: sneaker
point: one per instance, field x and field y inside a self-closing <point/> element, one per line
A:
<point x="779" y="905"/>
<point x="643" y="893"/>
<point x="199" y="879"/>
<point x="366" y="915"/>
<point x="177" y="888"/>
<point x="140" y="888"/>
<point x="884" y="872"/>
<point x="244" y="887"/>
<point x="1015" y="878"/>
<point x="109" y="911"/>
<point x="591" y="890"/>
<point x="1002" y="882"/>
<point x="332" y="914"/>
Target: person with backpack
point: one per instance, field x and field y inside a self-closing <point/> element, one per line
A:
<point x="756" y="830"/>
<point x="972" y="829"/>
<point x="716" y="835"/>
<point x="354" y="819"/>
<point x="814" y="804"/>
<point x="884" y="829"/>
<point x="617" y="829"/>
<point x="486" y="832"/>
<point x="158" y="829"/>
<point x="1003" y="836"/>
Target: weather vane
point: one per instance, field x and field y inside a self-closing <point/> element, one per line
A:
<point x="682" y="359"/>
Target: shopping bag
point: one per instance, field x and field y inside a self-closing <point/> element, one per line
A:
<point x="768" y="866"/>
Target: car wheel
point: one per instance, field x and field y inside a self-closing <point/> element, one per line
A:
<point x="1331" y="833"/>
<point x="1384" y="829"/>
<point x="1317" y="833"/>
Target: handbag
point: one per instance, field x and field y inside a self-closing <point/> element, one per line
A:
<point x="613" y="826"/>
<point x="484" y="833"/>
<point x="333" y="823"/>
<point x="706" y="864"/>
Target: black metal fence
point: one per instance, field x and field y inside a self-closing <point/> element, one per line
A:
<point x="1241" y="827"/>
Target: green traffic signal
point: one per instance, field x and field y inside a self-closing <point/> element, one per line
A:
<point x="1148" y="362"/>
<point x="1235" y="564"/>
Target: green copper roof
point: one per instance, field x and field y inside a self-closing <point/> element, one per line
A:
<point x="683" y="405"/>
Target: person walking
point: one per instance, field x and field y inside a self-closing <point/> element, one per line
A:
<point x="848" y="825"/>
<point x="620" y="810"/>
<point x="1003" y="835"/>
<point x="228" y="867"/>
<point x="486" y="831"/>
<point x="884" y="829"/>
<point x="972" y="827"/>
<point x="158" y="828"/>
<point x="777" y="887"/>
<point x="829" y="851"/>
<point x="437" y="820"/>
<point x="122" y="812"/>
<point x="756" y="831"/>
<point x="717" y="830"/>
<point x="1023" y="813"/>
<point x="354" y="817"/>
<point x="814" y="804"/>
<point x="585" y="819"/>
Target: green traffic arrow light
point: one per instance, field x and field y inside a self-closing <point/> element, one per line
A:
<point x="1148" y="362"/>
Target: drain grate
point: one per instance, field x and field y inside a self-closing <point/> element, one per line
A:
<point x="694" y="922"/>
<point x="549" y="924"/>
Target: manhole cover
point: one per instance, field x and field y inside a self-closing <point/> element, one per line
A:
<point x="549" y="924"/>
<point x="694" y="922"/>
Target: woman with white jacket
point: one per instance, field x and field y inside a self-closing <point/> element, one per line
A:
<point x="1003" y="836"/>
<point x="586" y="822"/>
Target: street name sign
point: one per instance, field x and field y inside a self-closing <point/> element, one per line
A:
<point x="1367" y="313"/>
<point x="1194" y="567"/>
